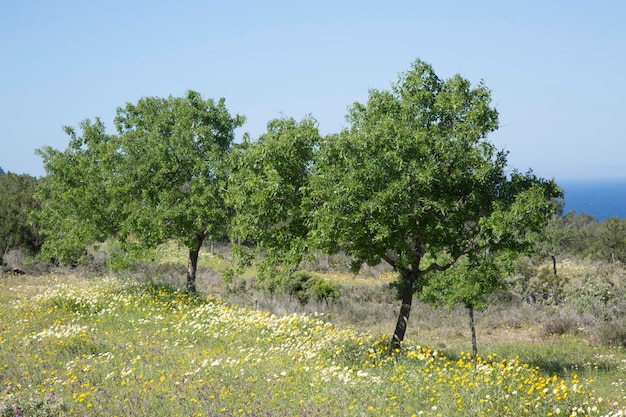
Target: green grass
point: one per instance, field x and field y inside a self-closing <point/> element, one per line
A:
<point x="106" y="347"/>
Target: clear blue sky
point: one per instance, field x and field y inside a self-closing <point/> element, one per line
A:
<point x="557" y="69"/>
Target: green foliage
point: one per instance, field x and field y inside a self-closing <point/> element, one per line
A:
<point x="172" y="170"/>
<point x="468" y="282"/>
<point x="163" y="176"/>
<point x="228" y="276"/>
<point x="267" y="187"/>
<point x="593" y="292"/>
<point x="77" y="203"/>
<point x="414" y="175"/>
<point x="119" y="261"/>
<point x="323" y="290"/>
<point x="16" y="204"/>
<point x="571" y="234"/>
<point x="613" y="239"/>
<point x="297" y="284"/>
<point x="526" y="284"/>
<point x="597" y="295"/>
<point x="582" y="236"/>
<point x="305" y="286"/>
<point x="547" y="287"/>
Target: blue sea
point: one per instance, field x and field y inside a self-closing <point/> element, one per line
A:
<point x="602" y="198"/>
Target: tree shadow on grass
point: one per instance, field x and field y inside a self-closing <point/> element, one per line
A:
<point x="564" y="368"/>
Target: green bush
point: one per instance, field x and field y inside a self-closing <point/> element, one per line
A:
<point x="305" y="286"/>
<point x="297" y="285"/>
<point x="539" y="284"/>
<point x="548" y="287"/>
<point x="596" y="295"/>
<point x="233" y="283"/>
<point x="324" y="290"/>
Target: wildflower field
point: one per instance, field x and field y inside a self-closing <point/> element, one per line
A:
<point x="109" y="347"/>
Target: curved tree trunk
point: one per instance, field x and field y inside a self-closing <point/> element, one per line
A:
<point x="405" y="310"/>
<point x="192" y="264"/>
<point x="553" y="262"/>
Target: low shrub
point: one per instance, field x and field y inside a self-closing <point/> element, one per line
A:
<point x="323" y="290"/>
<point x="613" y="333"/>
<point x="13" y="258"/>
<point x="305" y="286"/>
<point x="297" y="285"/>
<point x="45" y="406"/>
<point x="560" y="323"/>
<point x="596" y="294"/>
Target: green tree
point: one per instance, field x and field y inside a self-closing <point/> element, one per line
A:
<point x="77" y="204"/>
<point x="414" y="182"/>
<point x="548" y="244"/>
<point x="173" y="171"/>
<point x="470" y="281"/>
<point x="163" y="176"/>
<point x="613" y="238"/>
<point x="572" y="234"/>
<point x="16" y="232"/>
<point x="267" y="189"/>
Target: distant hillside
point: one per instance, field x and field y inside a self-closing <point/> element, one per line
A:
<point x="1" y="170"/>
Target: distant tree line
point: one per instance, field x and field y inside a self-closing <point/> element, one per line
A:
<point x="581" y="235"/>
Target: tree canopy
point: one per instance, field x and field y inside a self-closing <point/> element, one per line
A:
<point x="162" y="176"/>
<point x="173" y="172"/>
<point x="414" y="182"/>
<point x="77" y="205"/>
<point x="16" y="204"/>
<point x="268" y="188"/>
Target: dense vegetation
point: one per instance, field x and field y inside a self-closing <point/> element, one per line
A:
<point x="16" y="233"/>
<point x="411" y="198"/>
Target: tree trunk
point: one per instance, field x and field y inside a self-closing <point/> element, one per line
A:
<point x="470" y="308"/>
<point x="192" y="264"/>
<point x="405" y="311"/>
<point x="553" y="263"/>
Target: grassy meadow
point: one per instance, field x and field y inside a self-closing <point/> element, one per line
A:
<point x="110" y="346"/>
